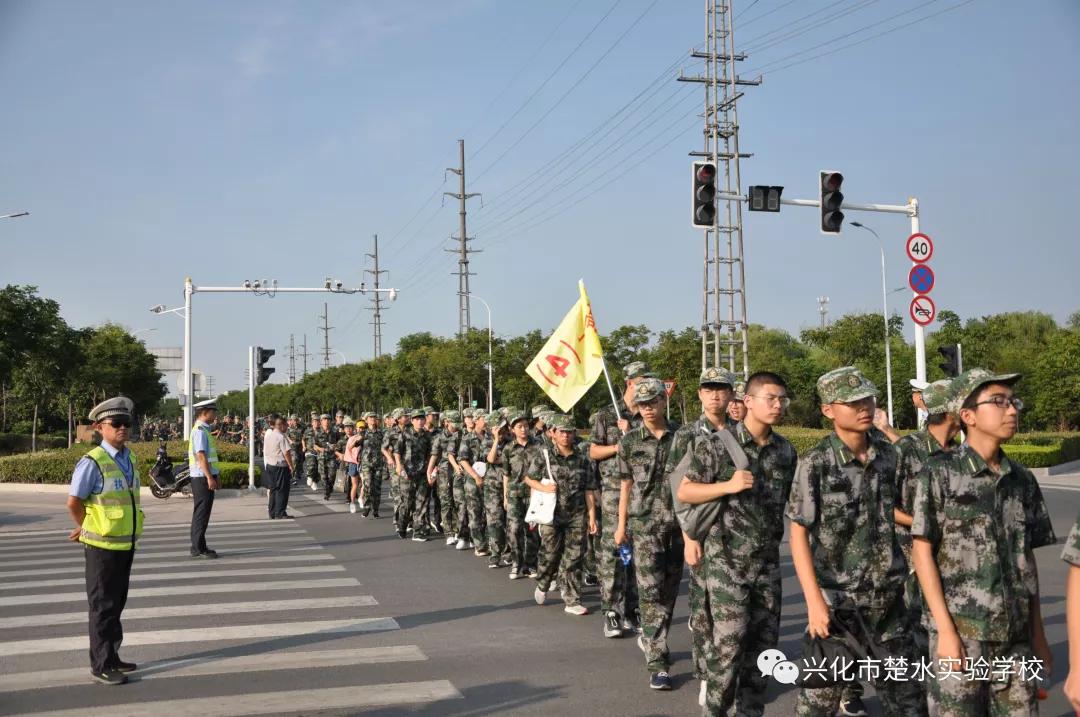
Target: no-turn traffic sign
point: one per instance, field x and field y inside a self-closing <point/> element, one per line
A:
<point x="919" y="248"/>
<point x="921" y="279"/>
<point x="922" y="310"/>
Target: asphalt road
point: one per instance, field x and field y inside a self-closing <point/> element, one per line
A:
<point x="333" y="614"/>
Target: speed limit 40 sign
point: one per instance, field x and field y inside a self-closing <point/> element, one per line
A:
<point x="920" y="248"/>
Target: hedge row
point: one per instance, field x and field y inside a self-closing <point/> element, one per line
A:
<point x="20" y="442"/>
<point x="55" y="466"/>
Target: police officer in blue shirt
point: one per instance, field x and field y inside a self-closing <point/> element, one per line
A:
<point x="203" y="465"/>
<point x="104" y="503"/>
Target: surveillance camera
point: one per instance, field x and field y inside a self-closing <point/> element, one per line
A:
<point x="328" y="282"/>
<point x="255" y="284"/>
<point x="337" y="284"/>
<point x="275" y="283"/>
<point x="157" y="309"/>
<point x="362" y="287"/>
<point x="247" y="284"/>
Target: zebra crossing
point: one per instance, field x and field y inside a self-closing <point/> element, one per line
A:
<point x="275" y="625"/>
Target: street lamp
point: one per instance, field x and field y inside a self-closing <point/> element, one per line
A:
<point x="16" y="215"/>
<point x="884" y="315"/>
<point x="490" y="366"/>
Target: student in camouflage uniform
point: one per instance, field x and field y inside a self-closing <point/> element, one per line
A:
<point x="434" y="425"/>
<point x="441" y="447"/>
<point x="977" y="519"/>
<point x="736" y="410"/>
<point x="715" y="391"/>
<point x="388" y="447"/>
<point x="740" y="564"/>
<point x="843" y="542"/>
<point x="326" y="441"/>
<point x="645" y="502"/>
<point x="411" y="457"/>
<point x="294" y="434"/>
<point x="458" y="479"/>
<point x="494" y="500"/>
<point x="474" y="448"/>
<point x="311" y="456"/>
<point x="1071" y="555"/>
<point x="618" y="587"/>
<point x="515" y="459"/>
<point x="371" y="466"/>
<point x="914" y="450"/>
<point x="421" y="510"/>
<point x="562" y="544"/>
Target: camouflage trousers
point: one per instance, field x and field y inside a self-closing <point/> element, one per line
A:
<point x="562" y="548"/>
<point x="408" y="489"/>
<point x="420" y="520"/>
<point x="474" y="506"/>
<point x="618" y="587"/>
<point x="658" y="560"/>
<point x="445" y="488"/>
<point x="371" y="479"/>
<point x="899" y="698"/>
<point x="494" y="513"/>
<point x="395" y="489"/>
<point x="298" y="462"/>
<point x="311" y="467"/>
<point x="461" y="504"/>
<point x="327" y="472"/>
<point x="742" y="619"/>
<point x="699" y="622"/>
<point x="524" y="543"/>
<point x="950" y="695"/>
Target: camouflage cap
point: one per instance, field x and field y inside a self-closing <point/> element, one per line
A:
<point x="516" y="416"/>
<point x="314" y="414"/>
<point x="452" y="416"/>
<point x="938" y="396"/>
<point x="845" y="385"/>
<point x="740" y="390"/>
<point x="348" y="422"/>
<point x="325" y="416"/>
<point x="538" y="410"/>
<point x="637" y="369"/>
<point x="480" y="415"/>
<point x="429" y="410"/>
<point x="417" y="413"/>
<point x="292" y="417"/>
<point x="648" y="389"/>
<point x="971" y="380"/>
<point x="339" y="414"/>
<point x="495" y="418"/>
<point x="370" y="414"/>
<point x="397" y="413"/>
<point x="714" y="376"/>
<point x="562" y="422"/>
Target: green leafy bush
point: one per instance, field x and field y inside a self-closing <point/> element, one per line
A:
<point x="20" y="443"/>
<point x="1034" y="456"/>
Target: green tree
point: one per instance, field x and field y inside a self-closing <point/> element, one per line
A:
<point x="1054" y="384"/>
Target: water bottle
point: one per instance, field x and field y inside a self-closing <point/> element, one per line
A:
<point x="626" y="553"/>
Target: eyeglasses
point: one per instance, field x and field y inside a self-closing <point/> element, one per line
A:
<point x="782" y="401"/>
<point x="1003" y="402"/>
<point x="119" y="422"/>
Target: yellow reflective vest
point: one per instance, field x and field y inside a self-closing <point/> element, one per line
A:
<point x="114" y="520"/>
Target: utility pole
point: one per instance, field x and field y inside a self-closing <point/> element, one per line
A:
<point x="463" y="250"/>
<point x="305" y="356"/>
<point x="376" y="303"/>
<point x="292" y="360"/>
<point x="724" y="272"/>
<point x="823" y="309"/>
<point x="325" y="328"/>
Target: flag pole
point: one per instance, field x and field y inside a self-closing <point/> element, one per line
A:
<point x="610" y="388"/>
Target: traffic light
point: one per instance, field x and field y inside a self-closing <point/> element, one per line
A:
<point x="831" y="201"/>
<point x="951" y="364"/>
<point x="765" y="199"/>
<point x="262" y="373"/>
<point x="704" y="216"/>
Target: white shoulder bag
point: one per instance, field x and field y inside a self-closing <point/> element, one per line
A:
<point x="542" y="505"/>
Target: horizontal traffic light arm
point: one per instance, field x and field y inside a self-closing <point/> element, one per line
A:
<point x="910" y="210"/>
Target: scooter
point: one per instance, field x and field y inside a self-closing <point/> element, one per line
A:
<point x="165" y="478"/>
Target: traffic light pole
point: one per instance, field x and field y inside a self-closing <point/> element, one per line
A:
<point x="911" y="209"/>
<point x="255" y="289"/>
<point x="251" y="418"/>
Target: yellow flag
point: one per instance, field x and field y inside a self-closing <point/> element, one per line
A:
<point x="572" y="359"/>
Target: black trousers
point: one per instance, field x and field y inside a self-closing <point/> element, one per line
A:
<point x="200" y="513"/>
<point x="107" y="576"/>
<point x="279" y="480"/>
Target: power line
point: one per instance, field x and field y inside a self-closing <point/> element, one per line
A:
<point x="548" y="79"/>
<point x="521" y="69"/>
<point x="748" y="7"/>
<point x="574" y="86"/>
<point x="783" y="27"/>
<point x="809" y="28"/>
<point x="770" y="12"/>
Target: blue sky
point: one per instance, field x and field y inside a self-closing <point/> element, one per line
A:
<point x="223" y="141"/>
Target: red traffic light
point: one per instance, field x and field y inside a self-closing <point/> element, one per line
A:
<point x="831" y="181"/>
<point x="706" y="173"/>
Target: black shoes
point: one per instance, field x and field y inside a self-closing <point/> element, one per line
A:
<point x="122" y="666"/>
<point x="109" y="677"/>
<point x="207" y="554"/>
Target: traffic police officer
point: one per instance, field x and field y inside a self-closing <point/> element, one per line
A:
<point x="203" y="467"/>
<point x="104" y="503"/>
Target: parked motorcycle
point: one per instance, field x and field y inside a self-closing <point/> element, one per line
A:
<point x="165" y="478"/>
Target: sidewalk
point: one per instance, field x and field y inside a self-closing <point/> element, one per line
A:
<point x="33" y="508"/>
